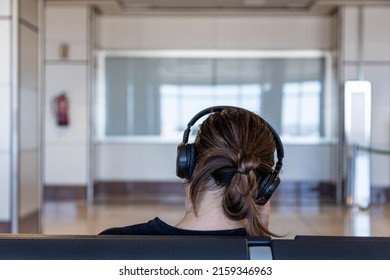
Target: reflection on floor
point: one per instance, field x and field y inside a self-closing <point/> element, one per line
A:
<point x="287" y="218"/>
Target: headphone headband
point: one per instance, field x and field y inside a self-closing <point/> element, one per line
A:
<point x="213" y="109"/>
<point x="202" y="113"/>
<point x="186" y="155"/>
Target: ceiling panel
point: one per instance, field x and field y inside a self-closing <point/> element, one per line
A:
<point x="218" y="6"/>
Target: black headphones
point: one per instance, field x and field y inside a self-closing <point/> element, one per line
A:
<point x="186" y="156"/>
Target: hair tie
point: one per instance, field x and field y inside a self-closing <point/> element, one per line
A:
<point x="246" y="173"/>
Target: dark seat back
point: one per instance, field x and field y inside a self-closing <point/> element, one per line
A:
<point x="80" y="247"/>
<point x="101" y="247"/>
<point x="332" y="248"/>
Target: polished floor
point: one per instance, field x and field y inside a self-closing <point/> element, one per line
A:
<point x="289" y="220"/>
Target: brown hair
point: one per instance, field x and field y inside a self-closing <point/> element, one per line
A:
<point x="235" y="150"/>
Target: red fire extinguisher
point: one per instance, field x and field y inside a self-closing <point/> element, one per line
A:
<point x="61" y="103"/>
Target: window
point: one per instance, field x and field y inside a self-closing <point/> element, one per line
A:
<point x="158" y="95"/>
<point x="179" y="103"/>
<point x="301" y="109"/>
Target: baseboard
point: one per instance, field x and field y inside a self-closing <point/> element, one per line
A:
<point x="380" y="194"/>
<point x="288" y="192"/>
<point x="64" y="193"/>
<point x="304" y="193"/>
<point x="124" y="188"/>
<point x="27" y="224"/>
<point x="116" y="190"/>
<point x="5" y="227"/>
<point x="169" y="192"/>
<point x="321" y="193"/>
<point x="30" y="223"/>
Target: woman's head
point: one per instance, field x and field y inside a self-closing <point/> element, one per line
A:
<point x="234" y="152"/>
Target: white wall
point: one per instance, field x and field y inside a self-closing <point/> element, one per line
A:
<point x="376" y="67"/>
<point x="219" y="32"/>
<point x="5" y="109"/>
<point x="29" y="131"/>
<point x="19" y="111"/>
<point x="140" y="161"/>
<point x="66" y="148"/>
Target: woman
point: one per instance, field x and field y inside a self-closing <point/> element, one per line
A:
<point x="229" y="177"/>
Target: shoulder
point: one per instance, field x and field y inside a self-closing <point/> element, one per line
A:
<point x="159" y="227"/>
<point x="152" y="227"/>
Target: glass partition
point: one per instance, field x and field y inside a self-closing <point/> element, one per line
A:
<point x="156" y="95"/>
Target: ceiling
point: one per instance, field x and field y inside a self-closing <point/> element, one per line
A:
<point x="123" y="7"/>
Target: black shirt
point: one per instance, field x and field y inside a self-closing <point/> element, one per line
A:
<point x="158" y="227"/>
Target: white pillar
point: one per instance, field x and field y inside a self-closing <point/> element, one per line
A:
<point x="358" y="136"/>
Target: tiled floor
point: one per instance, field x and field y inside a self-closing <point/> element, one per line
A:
<point x="290" y="220"/>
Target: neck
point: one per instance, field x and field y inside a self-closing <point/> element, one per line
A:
<point x="209" y="215"/>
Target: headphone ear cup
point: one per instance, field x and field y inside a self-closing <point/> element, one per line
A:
<point x="191" y="155"/>
<point x="181" y="160"/>
<point x="267" y="186"/>
<point x="185" y="160"/>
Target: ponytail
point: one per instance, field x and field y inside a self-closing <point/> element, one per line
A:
<point x="240" y="202"/>
<point x="235" y="150"/>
